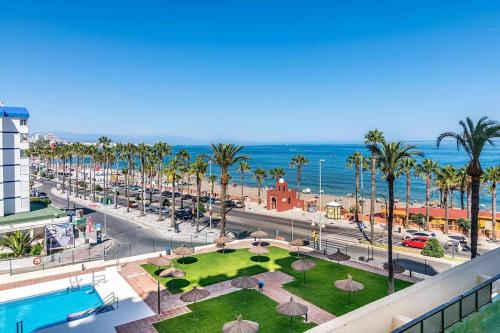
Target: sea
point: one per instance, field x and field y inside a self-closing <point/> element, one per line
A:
<point x="337" y="179"/>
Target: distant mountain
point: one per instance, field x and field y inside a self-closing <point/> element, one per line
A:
<point x="87" y="137"/>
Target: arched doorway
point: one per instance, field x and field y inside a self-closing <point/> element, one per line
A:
<point x="274" y="203"/>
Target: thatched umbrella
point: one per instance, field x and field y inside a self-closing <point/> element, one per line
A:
<point x="159" y="261"/>
<point x="397" y="268"/>
<point x="222" y="241"/>
<point x="291" y="309"/>
<point x="303" y="265"/>
<point x="349" y="285"/>
<point x="244" y="282"/>
<point x="259" y="234"/>
<point x="193" y="296"/>
<point x="298" y="243"/>
<point x="240" y="326"/>
<point x="173" y="273"/>
<point x="258" y="249"/>
<point x="183" y="251"/>
<point x="338" y="257"/>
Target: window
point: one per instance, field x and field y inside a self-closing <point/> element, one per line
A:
<point x="23" y="137"/>
<point x="24" y="122"/>
<point x="22" y="153"/>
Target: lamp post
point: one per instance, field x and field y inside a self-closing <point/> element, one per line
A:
<point x="210" y="200"/>
<point x="321" y="225"/>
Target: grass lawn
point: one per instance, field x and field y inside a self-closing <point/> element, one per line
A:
<point x="36" y="215"/>
<point x="212" y="314"/>
<point x="214" y="267"/>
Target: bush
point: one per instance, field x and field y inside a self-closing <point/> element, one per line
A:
<point x="51" y="176"/>
<point x="36" y="249"/>
<point x="165" y="203"/>
<point x="419" y="220"/>
<point x="201" y="208"/>
<point x="433" y="249"/>
<point x="98" y="188"/>
<point x="45" y="201"/>
<point x="464" y="225"/>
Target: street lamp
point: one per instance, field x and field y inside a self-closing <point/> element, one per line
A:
<point x="321" y="225"/>
<point x="210" y="200"/>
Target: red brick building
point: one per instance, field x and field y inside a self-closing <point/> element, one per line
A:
<point x="283" y="198"/>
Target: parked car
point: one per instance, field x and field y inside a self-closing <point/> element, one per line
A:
<point x="409" y="235"/>
<point x="178" y="194"/>
<point x="184" y="214"/>
<point x="239" y="204"/>
<point x="453" y="244"/>
<point x="416" y="242"/>
<point x="133" y="204"/>
<point x="188" y="197"/>
<point x="42" y="195"/>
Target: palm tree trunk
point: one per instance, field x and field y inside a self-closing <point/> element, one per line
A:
<point x="84" y="178"/>
<point x="172" y="211"/>
<point x="407" y="208"/>
<point x="494" y="211"/>
<point x="92" y="180"/>
<point x="242" y="185"/>
<point x="69" y="179"/>
<point x="127" y="194"/>
<point x="446" y="194"/>
<point x="299" y="178"/>
<point x="427" y="199"/>
<point x="143" y="208"/>
<point x="198" y="194"/>
<point x="160" y="215"/>
<point x="77" y="176"/>
<point x="469" y="198"/>
<point x="462" y="192"/>
<point x="390" y="279"/>
<point x="356" y="190"/>
<point x="474" y="214"/>
<point x="258" y="194"/>
<point x="63" y="187"/>
<point x="372" y="199"/>
<point x="223" y="189"/>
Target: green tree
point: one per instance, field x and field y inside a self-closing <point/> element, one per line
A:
<point x="418" y="219"/>
<point x="105" y="144"/>
<point x="260" y="175"/>
<point x="19" y="242"/>
<point x="445" y="178"/>
<point x="427" y="169"/>
<point x="299" y="162"/>
<point x="389" y="156"/>
<point x="491" y="177"/>
<point x="225" y="156"/>
<point x="277" y="173"/>
<point x="143" y="150"/>
<point x="433" y="248"/>
<point x="356" y="161"/>
<point x="472" y="138"/>
<point x="171" y="170"/>
<point x="407" y="166"/>
<point x="199" y="168"/>
<point x="243" y="168"/>
<point x="161" y="150"/>
<point x="183" y="158"/>
<point x="464" y="225"/>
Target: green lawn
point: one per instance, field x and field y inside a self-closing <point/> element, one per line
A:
<point x="215" y="267"/>
<point x="212" y="314"/>
<point x="36" y="215"/>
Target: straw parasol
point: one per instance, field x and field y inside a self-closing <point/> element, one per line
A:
<point x="244" y="282"/>
<point x="397" y="268"/>
<point x="173" y="273"/>
<point x="303" y="265"/>
<point x="259" y="234"/>
<point x="349" y="285"/>
<point x="298" y="243"/>
<point x="240" y="326"/>
<point x="222" y="241"/>
<point x="183" y="251"/>
<point x="258" y="250"/>
<point x="291" y="309"/>
<point x="338" y="257"/>
<point x="159" y="261"/>
<point x="194" y="295"/>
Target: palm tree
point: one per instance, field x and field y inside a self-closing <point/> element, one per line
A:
<point x="243" y="168"/>
<point x="407" y="166"/>
<point x="94" y="157"/>
<point x="445" y="178"/>
<point x="212" y="179"/>
<point x="143" y="150"/>
<point x="492" y="177"/>
<point x="118" y="151"/>
<point x="104" y="142"/>
<point x="472" y="139"/>
<point x="161" y="150"/>
<point x="130" y="155"/>
<point x="373" y="137"/>
<point x="463" y="184"/>
<point x="299" y="161"/>
<point x="427" y="169"/>
<point x="77" y="151"/>
<point x="199" y="168"/>
<point x="357" y="162"/>
<point x="225" y="156"/>
<point x="389" y="156"/>
<point x="183" y="158"/>
<point x="172" y="168"/>
<point x="260" y="175"/>
<point x="277" y="173"/>
<point x="85" y="154"/>
<point x="19" y="242"/>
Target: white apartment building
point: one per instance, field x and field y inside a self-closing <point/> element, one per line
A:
<point x="14" y="164"/>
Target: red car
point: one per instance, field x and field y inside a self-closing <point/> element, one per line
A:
<point x="416" y="242"/>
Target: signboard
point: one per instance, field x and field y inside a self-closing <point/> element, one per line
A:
<point x="98" y="227"/>
<point x="59" y="236"/>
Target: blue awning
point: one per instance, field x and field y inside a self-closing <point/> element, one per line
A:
<point x="14" y="112"/>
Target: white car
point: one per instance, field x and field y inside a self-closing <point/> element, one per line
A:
<point x="412" y="233"/>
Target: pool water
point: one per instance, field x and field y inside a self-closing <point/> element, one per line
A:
<point x="487" y="320"/>
<point x="47" y="309"/>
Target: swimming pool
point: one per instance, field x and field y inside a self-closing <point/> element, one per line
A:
<point x="47" y="309"/>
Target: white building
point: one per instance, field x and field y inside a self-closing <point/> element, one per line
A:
<point x="14" y="165"/>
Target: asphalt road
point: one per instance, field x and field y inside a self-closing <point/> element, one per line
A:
<point x="130" y="238"/>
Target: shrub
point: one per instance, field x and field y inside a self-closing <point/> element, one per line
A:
<point x="464" y="225"/>
<point x="51" y="176"/>
<point x="36" y="249"/>
<point x="419" y="220"/>
<point x="201" y="207"/>
<point x="165" y="203"/>
<point x="45" y="201"/>
<point x="433" y="249"/>
<point x="98" y="188"/>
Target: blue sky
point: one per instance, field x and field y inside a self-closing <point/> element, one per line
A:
<point x="251" y="71"/>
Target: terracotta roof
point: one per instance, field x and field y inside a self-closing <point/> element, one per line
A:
<point x="452" y="213"/>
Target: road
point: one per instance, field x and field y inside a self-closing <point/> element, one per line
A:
<point x="133" y="239"/>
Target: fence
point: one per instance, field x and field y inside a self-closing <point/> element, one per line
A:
<point x="446" y="315"/>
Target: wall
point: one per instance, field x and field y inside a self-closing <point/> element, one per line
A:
<point x="416" y="300"/>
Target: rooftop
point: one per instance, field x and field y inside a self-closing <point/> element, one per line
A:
<point x="14" y="112"/>
<point x="36" y="215"/>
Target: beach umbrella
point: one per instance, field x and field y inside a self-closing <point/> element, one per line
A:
<point x="397" y="268"/>
<point x="349" y="285"/>
<point x="159" y="261"/>
<point x="173" y="273"/>
<point x="222" y="241"/>
<point x="291" y="309"/>
<point x="259" y="234"/>
<point x="240" y="326"/>
<point x="338" y="257"/>
<point x="303" y="265"/>
<point x="183" y="251"/>
<point x="244" y="282"/>
<point x="193" y="296"/>
<point x="298" y="243"/>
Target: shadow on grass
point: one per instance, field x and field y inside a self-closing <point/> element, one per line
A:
<point x="251" y="270"/>
<point x="260" y="259"/>
<point x="226" y="251"/>
<point x="176" y="286"/>
<point x="187" y="260"/>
